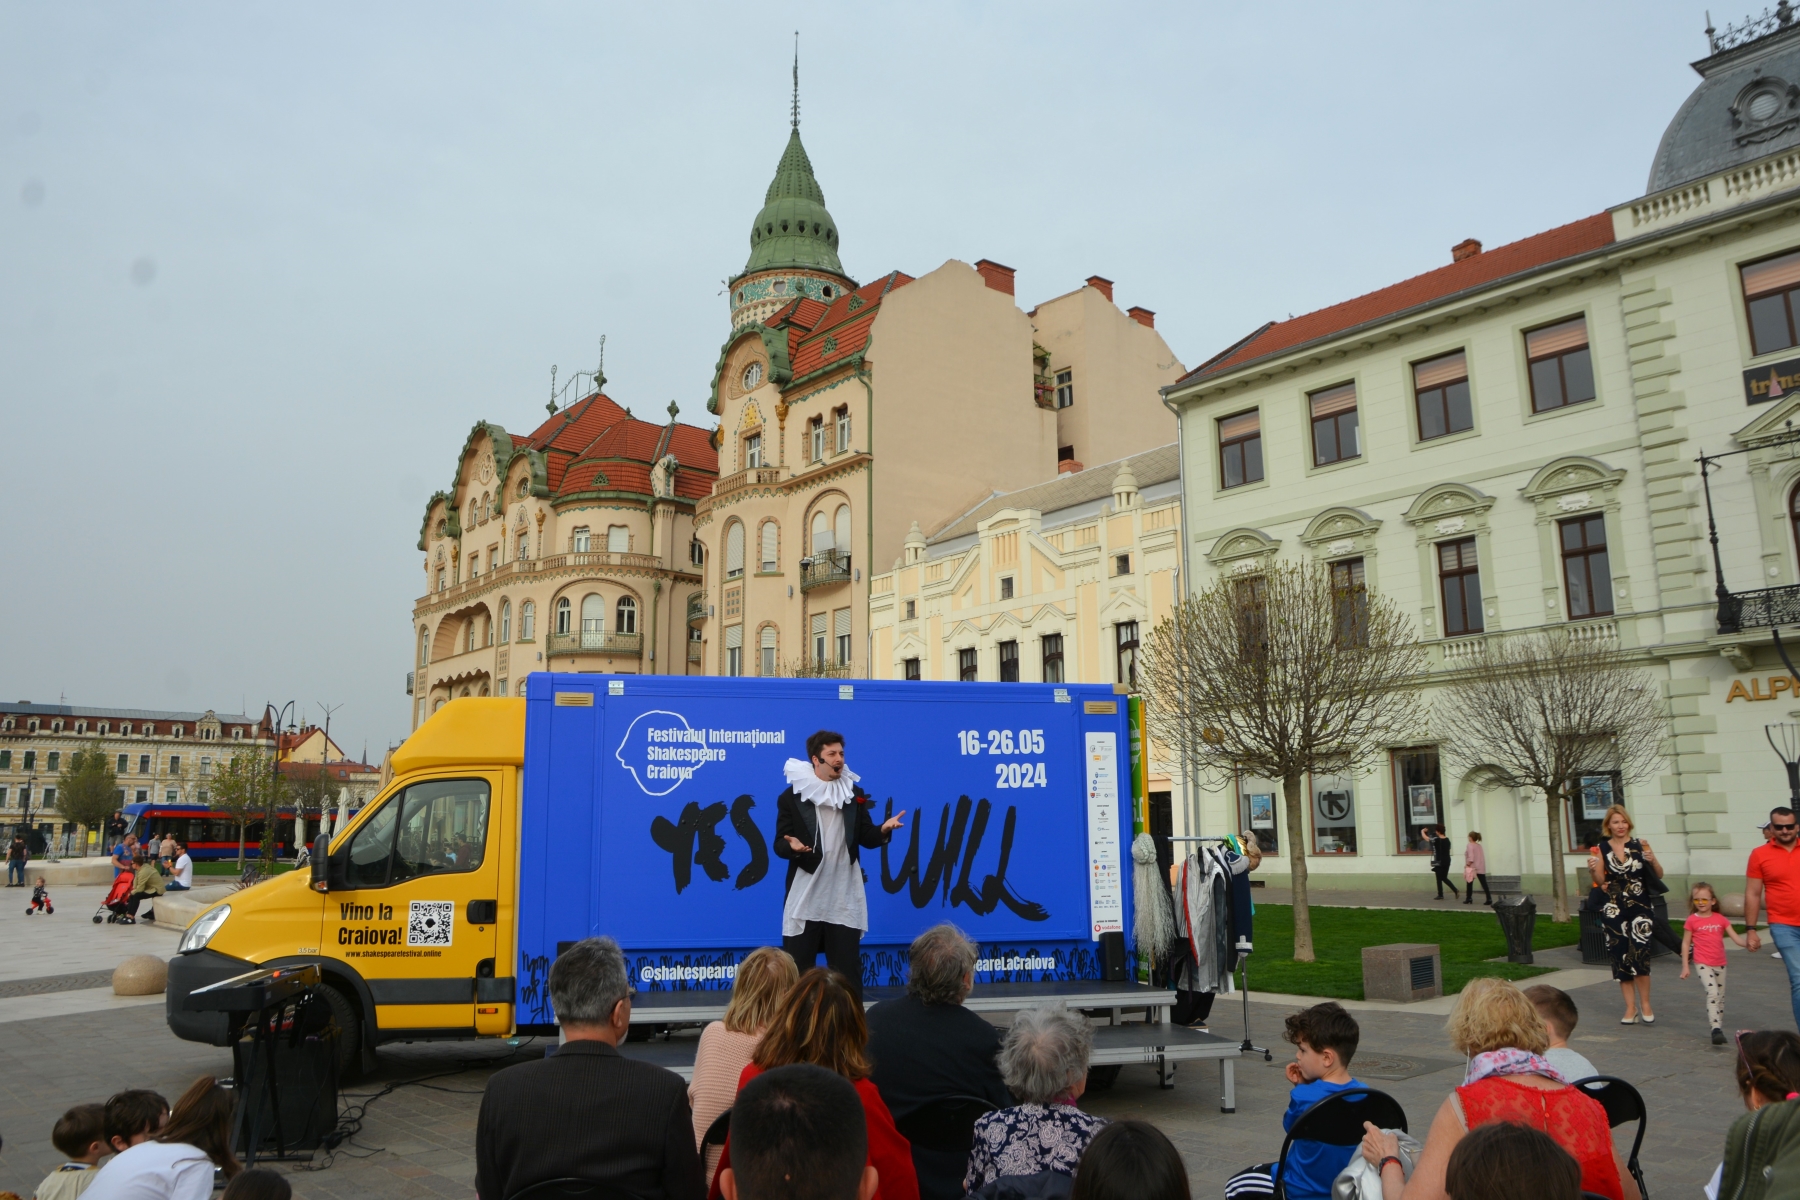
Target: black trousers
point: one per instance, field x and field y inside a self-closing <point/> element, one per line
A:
<point x="1443" y="881"/>
<point x="840" y="944"/>
<point x="1485" y="894"/>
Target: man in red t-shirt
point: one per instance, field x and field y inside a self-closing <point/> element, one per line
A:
<point x="1772" y="880"/>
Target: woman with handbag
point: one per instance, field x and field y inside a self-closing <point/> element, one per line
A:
<point x="1475" y="867"/>
<point x="1627" y="870"/>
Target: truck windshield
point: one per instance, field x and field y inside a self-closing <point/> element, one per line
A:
<point x="429" y="829"/>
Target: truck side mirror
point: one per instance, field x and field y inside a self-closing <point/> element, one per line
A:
<point x="321" y="860"/>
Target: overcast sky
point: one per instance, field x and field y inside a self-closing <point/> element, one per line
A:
<point x="262" y="267"/>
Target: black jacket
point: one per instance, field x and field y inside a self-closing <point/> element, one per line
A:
<point x="587" y="1112"/>
<point x="1440" y="854"/>
<point x="801" y="819"/>
<point x="925" y="1052"/>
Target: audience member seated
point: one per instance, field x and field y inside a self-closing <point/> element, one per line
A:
<point x="1768" y="1072"/>
<point x="585" y="1111"/>
<point x="762" y="982"/>
<point x="1324" y="1038"/>
<point x="1044" y="1060"/>
<point x="926" y="1046"/>
<point x="821" y="1022"/>
<point x="177" y="1163"/>
<point x="134" y="1116"/>
<point x="1131" y="1160"/>
<point x="800" y="1135"/>
<point x="80" y="1135"/>
<point x="1559" y="1015"/>
<point x="1503" y="1161"/>
<point x="1508" y="1079"/>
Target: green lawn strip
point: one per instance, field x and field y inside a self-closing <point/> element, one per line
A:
<point x="1465" y="941"/>
<point x="230" y="867"/>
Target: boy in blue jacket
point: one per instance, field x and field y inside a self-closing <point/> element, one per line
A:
<point x="1324" y="1038"/>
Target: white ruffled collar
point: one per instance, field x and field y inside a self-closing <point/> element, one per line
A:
<point x="808" y="786"/>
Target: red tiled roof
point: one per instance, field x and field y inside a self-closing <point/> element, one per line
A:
<point x="1490" y="266"/>
<point x="844" y="328"/>
<point x="595" y="435"/>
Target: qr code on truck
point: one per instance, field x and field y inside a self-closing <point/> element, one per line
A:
<point x="429" y="922"/>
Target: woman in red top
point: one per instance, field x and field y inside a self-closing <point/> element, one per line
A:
<point x="821" y="1023"/>
<point x="1501" y="1032"/>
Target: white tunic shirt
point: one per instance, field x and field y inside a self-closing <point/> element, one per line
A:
<point x="833" y="891"/>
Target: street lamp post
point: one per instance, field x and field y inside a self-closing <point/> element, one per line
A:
<point x="271" y="813"/>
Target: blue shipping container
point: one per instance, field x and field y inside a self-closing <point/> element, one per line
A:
<point x="649" y="816"/>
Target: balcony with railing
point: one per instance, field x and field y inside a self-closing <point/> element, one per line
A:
<point x="572" y="560"/>
<point x="1763" y="608"/>
<point x="748" y="477"/>
<point x="622" y="645"/>
<point x="824" y="570"/>
<point x="694" y="652"/>
<point x="696" y="608"/>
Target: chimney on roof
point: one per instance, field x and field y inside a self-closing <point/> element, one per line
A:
<point x="1068" y="466"/>
<point x="1142" y="316"/>
<point x="1467" y="248"/>
<point x="1102" y="285"/>
<point x="995" y="276"/>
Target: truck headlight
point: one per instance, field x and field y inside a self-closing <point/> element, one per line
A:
<point x="201" y="931"/>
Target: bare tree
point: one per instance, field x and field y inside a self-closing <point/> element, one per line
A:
<point x="245" y="787"/>
<point x="1281" y="674"/>
<point x="1542" y="710"/>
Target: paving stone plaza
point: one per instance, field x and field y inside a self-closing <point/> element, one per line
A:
<point x="65" y="1039"/>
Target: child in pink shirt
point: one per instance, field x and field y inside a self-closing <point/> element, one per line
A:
<point x="1704" y="936"/>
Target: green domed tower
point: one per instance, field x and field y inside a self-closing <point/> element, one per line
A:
<point x="793" y="244"/>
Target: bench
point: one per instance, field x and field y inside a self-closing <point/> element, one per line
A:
<point x="1152" y="1040"/>
<point x="1505" y="885"/>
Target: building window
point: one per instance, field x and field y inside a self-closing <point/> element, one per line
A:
<point x="475" y="565"/>
<point x="469" y="635"/>
<point x="1240" y="449"/>
<point x="1334" y="814"/>
<point x="1562" y="372"/>
<point x="769" y="665"/>
<point x="119" y="770"/>
<point x="505" y="622"/>
<point x="771" y="547"/>
<point x="697" y="553"/>
<point x="583" y="540"/>
<point x="843" y="429"/>
<point x="500" y="687"/>
<point x="49" y="798"/>
<point x="1459" y="578"/>
<point x="1006" y="587"/>
<point x="625" y="615"/>
<point x="618" y="539"/>
<point x="1251" y="599"/>
<point x="1259" y="813"/>
<point x="1065" y="454"/>
<point x="1053" y="657"/>
<point x="1065" y="388"/>
<point x="524" y="547"/>
<point x="593" y="621"/>
<point x="840" y="626"/>
<point x="528" y="621"/>
<point x="815" y="439"/>
<point x="1121" y="564"/>
<point x="424" y="648"/>
<point x="143" y="795"/>
<point x="734" y="550"/>
<point x="143" y="764"/>
<point x="752" y="375"/>
<point x="1586" y="803"/>
<point x="1418" y="797"/>
<point x="967" y="669"/>
<point x="1769" y="297"/>
<point x="734" y="650"/>
<point x="912" y="606"/>
<point x="53" y="761"/>
<point x="819" y="634"/>
<point x="206" y="764"/>
<point x="753" y="451"/>
<point x="440" y="587"/>
<point x="1441" y="396"/>
<point x="1009" y="662"/>
<point x="1586" y="571"/>
<point x="1127" y="635"/>
<point x="909" y="669"/>
<point x="1350" y="602"/>
<point x="565" y="613"/>
<point x="31" y="760"/>
<point x="1334" y="430"/>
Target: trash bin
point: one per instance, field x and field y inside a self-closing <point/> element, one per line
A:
<point x="1518" y="920"/>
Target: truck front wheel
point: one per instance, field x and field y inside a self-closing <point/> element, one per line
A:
<point x="346" y="1014"/>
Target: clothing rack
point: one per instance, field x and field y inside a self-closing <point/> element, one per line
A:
<point x="1243" y="949"/>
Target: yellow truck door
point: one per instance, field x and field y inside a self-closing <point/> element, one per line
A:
<point x="413" y="905"/>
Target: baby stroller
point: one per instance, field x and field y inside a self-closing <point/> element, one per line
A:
<point x="116" y="909"/>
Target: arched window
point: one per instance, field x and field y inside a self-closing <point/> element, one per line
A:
<point x="626" y="621"/>
<point x="506" y="620"/>
<point x="734" y="550"/>
<point x="528" y="621"/>
<point x="469" y="635"/>
<point x="564" y="614"/>
<point x="843" y="529"/>
<point x="593" y="621"/>
<point x="487" y="630"/>
<point x="768" y="664"/>
<point x="771" y="546"/>
<point x="424" y="648"/>
<point x="697" y="553"/>
<point x="524" y="547"/>
<point x="821" y="534"/>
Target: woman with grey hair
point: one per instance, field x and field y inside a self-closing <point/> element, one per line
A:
<point x="1044" y="1060"/>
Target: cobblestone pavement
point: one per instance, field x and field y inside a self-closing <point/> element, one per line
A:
<point x="418" y="1141"/>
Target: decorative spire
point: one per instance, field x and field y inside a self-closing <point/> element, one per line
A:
<point x="796" y="117"/>
<point x="674" y="411"/>
<point x="552" y="405"/>
<point x="600" y="371"/>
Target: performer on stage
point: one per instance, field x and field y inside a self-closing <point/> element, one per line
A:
<point x="822" y="821"/>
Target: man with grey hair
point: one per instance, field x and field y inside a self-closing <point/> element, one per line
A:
<point x="927" y="1047"/>
<point x="584" y="1111"/>
<point x="1045" y="1061"/>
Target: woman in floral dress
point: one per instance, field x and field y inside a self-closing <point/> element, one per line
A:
<point x="1621" y="866"/>
<point x="1044" y="1061"/>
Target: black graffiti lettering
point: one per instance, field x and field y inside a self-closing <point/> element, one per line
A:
<point x="696" y="824"/>
<point x="946" y="849"/>
<point x="759" y="849"/>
